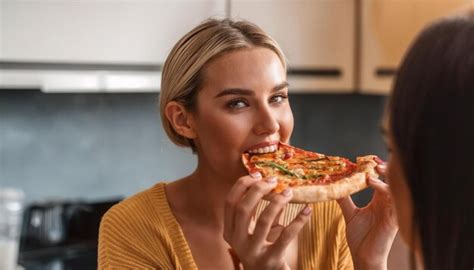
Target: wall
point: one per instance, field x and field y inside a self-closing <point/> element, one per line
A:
<point x="98" y="146"/>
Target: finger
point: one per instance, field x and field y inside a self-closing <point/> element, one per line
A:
<point x="378" y="184"/>
<point x="348" y="208"/>
<point x="241" y="186"/>
<point x="234" y="196"/>
<point x="379" y="160"/>
<point x="382" y="197"/>
<point x="290" y="232"/>
<point x="380" y="187"/>
<point x="276" y="228"/>
<point x="246" y="207"/>
<point x="270" y="216"/>
<point x="271" y="197"/>
<point x="381" y="169"/>
<point x="276" y="220"/>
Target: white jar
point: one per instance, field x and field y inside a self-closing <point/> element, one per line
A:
<point x="11" y="213"/>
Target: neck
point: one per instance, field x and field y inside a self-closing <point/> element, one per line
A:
<point x="419" y="258"/>
<point x="201" y="196"/>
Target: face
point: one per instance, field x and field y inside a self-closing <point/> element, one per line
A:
<point x="399" y="188"/>
<point x="242" y="105"/>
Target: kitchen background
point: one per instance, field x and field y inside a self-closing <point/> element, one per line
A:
<point x="79" y="82"/>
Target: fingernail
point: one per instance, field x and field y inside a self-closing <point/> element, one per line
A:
<point x="286" y="192"/>
<point x="379" y="160"/>
<point x="307" y="210"/>
<point x="272" y="180"/>
<point x="256" y="175"/>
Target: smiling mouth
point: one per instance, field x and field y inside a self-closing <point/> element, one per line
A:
<point x="263" y="150"/>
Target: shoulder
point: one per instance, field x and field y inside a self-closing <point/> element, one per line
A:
<point x="134" y="230"/>
<point x="142" y="207"/>
<point x="139" y="216"/>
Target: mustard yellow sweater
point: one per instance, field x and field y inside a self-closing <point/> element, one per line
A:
<point x="142" y="233"/>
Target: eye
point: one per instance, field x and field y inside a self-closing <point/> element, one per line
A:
<point x="237" y="104"/>
<point x="278" y="98"/>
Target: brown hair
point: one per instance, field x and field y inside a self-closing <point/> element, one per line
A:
<point x="182" y="71"/>
<point x="431" y="114"/>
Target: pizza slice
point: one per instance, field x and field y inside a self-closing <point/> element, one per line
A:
<point x="313" y="177"/>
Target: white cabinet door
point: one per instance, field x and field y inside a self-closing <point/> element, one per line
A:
<point x="317" y="37"/>
<point x="98" y="31"/>
<point x="388" y="27"/>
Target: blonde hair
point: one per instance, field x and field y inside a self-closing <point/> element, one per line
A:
<point x="182" y="72"/>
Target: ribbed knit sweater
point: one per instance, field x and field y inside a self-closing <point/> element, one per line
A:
<point x="141" y="232"/>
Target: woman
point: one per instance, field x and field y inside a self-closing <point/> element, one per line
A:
<point x="429" y="132"/>
<point x="224" y="92"/>
<point x="432" y="170"/>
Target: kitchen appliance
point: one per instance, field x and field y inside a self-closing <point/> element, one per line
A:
<point x="62" y="234"/>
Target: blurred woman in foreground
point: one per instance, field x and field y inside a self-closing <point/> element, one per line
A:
<point x="430" y="136"/>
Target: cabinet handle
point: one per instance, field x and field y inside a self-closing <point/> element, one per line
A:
<point x="383" y="72"/>
<point x="317" y="72"/>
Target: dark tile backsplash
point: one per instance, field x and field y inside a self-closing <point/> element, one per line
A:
<point x="98" y="146"/>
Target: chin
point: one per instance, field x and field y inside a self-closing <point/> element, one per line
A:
<point x="412" y="241"/>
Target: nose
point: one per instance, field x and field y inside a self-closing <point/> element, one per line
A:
<point x="266" y="121"/>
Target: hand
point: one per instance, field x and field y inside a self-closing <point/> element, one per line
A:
<point x="265" y="246"/>
<point x="370" y="231"/>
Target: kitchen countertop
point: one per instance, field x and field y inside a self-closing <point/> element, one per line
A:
<point x="74" y="257"/>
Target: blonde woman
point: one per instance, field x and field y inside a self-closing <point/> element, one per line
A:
<point x="224" y="92"/>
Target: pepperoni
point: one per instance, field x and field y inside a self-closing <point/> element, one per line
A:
<point x="288" y="155"/>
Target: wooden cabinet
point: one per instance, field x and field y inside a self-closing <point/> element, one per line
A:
<point x="387" y="29"/>
<point x="331" y="45"/>
<point x="98" y="31"/>
<point x="93" y="45"/>
<point x="317" y="37"/>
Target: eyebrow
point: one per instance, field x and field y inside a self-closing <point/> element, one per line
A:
<point x="248" y="92"/>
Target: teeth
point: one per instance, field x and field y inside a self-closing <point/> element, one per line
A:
<point x="263" y="150"/>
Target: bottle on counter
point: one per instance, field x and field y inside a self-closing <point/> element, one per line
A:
<point x="11" y="213"/>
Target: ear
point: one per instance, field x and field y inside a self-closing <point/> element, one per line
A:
<point x="181" y="120"/>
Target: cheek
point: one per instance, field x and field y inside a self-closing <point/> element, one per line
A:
<point x="220" y="133"/>
<point x="402" y="199"/>
<point x="220" y="140"/>
<point x="216" y="128"/>
<point x="286" y="124"/>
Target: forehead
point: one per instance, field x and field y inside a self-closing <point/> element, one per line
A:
<point x="245" y="68"/>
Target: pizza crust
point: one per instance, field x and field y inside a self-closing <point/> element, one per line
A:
<point x="339" y="189"/>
